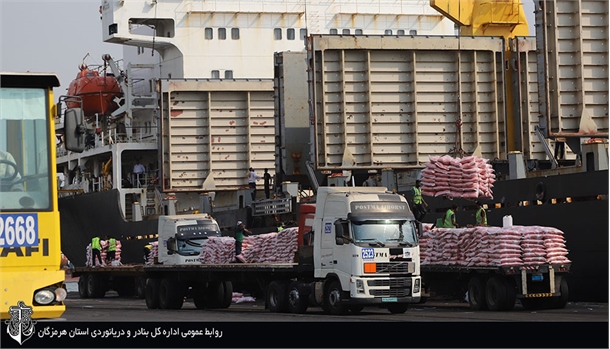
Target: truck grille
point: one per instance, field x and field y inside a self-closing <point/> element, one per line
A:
<point x="395" y="268"/>
<point x="399" y="287"/>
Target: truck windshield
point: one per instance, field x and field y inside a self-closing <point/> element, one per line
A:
<point x="400" y="232"/>
<point x="25" y="180"/>
<point x="190" y="247"/>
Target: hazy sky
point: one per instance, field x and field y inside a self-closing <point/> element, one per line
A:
<point x="54" y="36"/>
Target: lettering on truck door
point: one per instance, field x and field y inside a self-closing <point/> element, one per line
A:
<point x="328" y="242"/>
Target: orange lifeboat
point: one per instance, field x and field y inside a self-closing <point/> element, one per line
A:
<point x="96" y="91"/>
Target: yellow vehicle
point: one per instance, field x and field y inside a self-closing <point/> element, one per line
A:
<point x="30" y="253"/>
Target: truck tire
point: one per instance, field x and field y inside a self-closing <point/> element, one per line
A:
<point x="276" y="297"/>
<point x="561" y="301"/>
<point x="499" y="293"/>
<point x="200" y="295"/>
<point x="151" y="293"/>
<point x="333" y="299"/>
<point x="83" y="280"/>
<point x="298" y="301"/>
<point x="398" y="308"/>
<point x="140" y="285"/>
<point x="476" y="293"/>
<point x="215" y="295"/>
<point x="96" y="287"/>
<point x="227" y="294"/>
<point x="171" y="294"/>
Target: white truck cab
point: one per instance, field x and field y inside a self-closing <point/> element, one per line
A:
<point x="181" y="237"/>
<point x="367" y="239"/>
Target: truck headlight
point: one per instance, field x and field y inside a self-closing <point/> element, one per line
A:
<point x="44" y="297"/>
<point x="360" y="286"/>
<point x="416" y="286"/>
<point x="60" y="294"/>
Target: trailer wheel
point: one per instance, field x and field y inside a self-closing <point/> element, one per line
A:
<point x="476" y="293"/>
<point x="83" y="280"/>
<point x="333" y="299"/>
<point x="140" y="285"/>
<point x="276" y="297"/>
<point x="95" y="286"/>
<point x="499" y="293"/>
<point x="171" y="295"/>
<point x="215" y="295"/>
<point x="151" y="293"/>
<point x="298" y="301"/>
<point x="200" y="292"/>
<point x="227" y="294"/>
<point x="561" y="301"/>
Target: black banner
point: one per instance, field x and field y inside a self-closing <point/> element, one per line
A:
<point x="63" y="334"/>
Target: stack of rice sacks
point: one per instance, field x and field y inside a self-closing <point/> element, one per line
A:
<point x="469" y="177"/>
<point x="493" y="246"/>
<point x="264" y="248"/>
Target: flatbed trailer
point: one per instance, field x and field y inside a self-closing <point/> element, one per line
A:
<point x="130" y="280"/>
<point x="496" y="288"/>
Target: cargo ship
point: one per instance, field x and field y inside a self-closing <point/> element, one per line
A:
<point x="210" y="89"/>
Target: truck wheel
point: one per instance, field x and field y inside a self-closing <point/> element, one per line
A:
<point x="227" y="294"/>
<point x="215" y="295"/>
<point x="398" y="308"/>
<point x="276" y="297"/>
<point x="499" y="294"/>
<point x="511" y="294"/>
<point x="476" y="293"/>
<point x="83" y="280"/>
<point x="151" y="293"/>
<point x="298" y="301"/>
<point x="333" y="297"/>
<point x="95" y="286"/>
<point x="561" y="301"/>
<point x="200" y="292"/>
<point x="171" y="295"/>
<point x="140" y="285"/>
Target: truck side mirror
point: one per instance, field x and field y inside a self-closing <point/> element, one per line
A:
<point x="420" y="229"/>
<point x="171" y="246"/>
<point x="339" y="232"/>
<point x="74" y="125"/>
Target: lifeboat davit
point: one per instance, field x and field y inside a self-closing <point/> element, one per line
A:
<point x="96" y="91"/>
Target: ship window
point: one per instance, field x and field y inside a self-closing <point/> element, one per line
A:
<point x="222" y="33"/>
<point x="235" y="33"/>
<point x="346" y="32"/>
<point x="400" y="32"/>
<point x="303" y="33"/>
<point x="209" y="34"/>
<point x="277" y="34"/>
<point x="413" y="32"/>
<point x="290" y="34"/>
<point x="333" y="31"/>
<point x="228" y="74"/>
<point x="358" y="31"/>
<point x="215" y="74"/>
<point x="388" y="32"/>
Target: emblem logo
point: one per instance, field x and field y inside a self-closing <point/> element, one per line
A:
<point x="20" y="326"/>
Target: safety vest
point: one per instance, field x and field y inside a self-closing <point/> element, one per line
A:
<point x="448" y="222"/>
<point x="417" y="195"/>
<point x="112" y="245"/>
<point x="95" y="244"/>
<point x="479" y="217"/>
